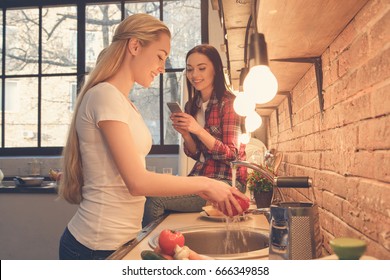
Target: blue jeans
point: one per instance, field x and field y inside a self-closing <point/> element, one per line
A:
<point x="155" y="207"/>
<point x="71" y="249"/>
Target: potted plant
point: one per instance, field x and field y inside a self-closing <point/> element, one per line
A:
<point x="261" y="189"/>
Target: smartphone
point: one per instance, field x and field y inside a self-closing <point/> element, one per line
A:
<point x="174" y="107"/>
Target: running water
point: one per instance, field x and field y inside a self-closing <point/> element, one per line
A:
<point x="235" y="241"/>
<point x="234" y="176"/>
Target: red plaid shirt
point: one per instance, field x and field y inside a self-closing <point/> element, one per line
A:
<point x="222" y="122"/>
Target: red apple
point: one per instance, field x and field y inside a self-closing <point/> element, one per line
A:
<point x="244" y="203"/>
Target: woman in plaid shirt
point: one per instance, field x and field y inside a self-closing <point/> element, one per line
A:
<point x="210" y="128"/>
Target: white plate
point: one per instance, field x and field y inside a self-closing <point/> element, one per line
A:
<point x="204" y="215"/>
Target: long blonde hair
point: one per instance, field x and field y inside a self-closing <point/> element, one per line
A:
<point x="146" y="29"/>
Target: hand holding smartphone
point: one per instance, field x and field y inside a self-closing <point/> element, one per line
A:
<point x="174" y="107"/>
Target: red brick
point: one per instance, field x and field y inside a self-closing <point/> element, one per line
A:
<point x="309" y="142"/>
<point x="324" y="140"/>
<point x="371" y="12"/>
<point x="353" y="216"/>
<point x="374" y="134"/>
<point x="331" y="203"/>
<point x="375" y="196"/>
<point x="354" y="56"/>
<point x="369" y="165"/>
<point x="331" y="182"/>
<point x="380" y="101"/>
<point x="356" y="109"/>
<point x="377" y="250"/>
<point x="344" y="88"/>
<point x="382" y="164"/>
<point x="333" y="161"/>
<point x="380" y="34"/>
<point x="344" y="40"/>
<point x="327" y="224"/>
<point x="375" y="71"/>
<point x="331" y="118"/>
<point x="345" y="139"/>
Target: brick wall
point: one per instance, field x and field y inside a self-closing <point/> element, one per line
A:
<point x="345" y="151"/>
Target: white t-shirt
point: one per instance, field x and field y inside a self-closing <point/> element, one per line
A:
<point x="108" y="215"/>
<point x="201" y="119"/>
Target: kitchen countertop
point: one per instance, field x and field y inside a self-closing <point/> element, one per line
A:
<point x="182" y="220"/>
<point x="8" y="186"/>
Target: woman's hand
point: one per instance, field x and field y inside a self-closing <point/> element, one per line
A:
<point x="221" y="196"/>
<point x="185" y="123"/>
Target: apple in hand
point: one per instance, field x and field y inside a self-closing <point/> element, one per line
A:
<point x="168" y="239"/>
<point x="243" y="203"/>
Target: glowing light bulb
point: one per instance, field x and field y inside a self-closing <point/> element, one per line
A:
<point x="244" y="138"/>
<point x="261" y="84"/>
<point x="243" y="104"/>
<point x="253" y="121"/>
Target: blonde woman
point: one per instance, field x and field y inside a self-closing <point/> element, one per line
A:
<point x="104" y="157"/>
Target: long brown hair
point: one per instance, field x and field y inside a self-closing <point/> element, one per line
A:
<point x="146" y="29"/>
<point x="219" y="84"/>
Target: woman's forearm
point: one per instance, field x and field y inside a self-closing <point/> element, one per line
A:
<point x="190" y="143"/>
<point x="207" y="139"/>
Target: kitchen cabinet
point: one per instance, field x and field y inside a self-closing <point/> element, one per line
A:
<point x="31" y="225"/>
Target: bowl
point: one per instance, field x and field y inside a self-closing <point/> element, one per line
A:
<point x="28" y="181"/>
<point x="348" y="248"/>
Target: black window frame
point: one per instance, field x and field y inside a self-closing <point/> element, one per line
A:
<point x="81" y="71"/>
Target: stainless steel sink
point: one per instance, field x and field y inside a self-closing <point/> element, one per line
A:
<point x="224" y="243"/>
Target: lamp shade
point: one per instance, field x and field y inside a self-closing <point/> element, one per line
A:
<point x="260" y="84"/>
<point x="244" y="138"/>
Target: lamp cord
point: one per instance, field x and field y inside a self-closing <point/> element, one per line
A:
<point x="246" y="41"/>
<point x="252" y="17"/>
<point x="255" y="16"/>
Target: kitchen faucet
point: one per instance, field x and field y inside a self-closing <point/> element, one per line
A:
<point x="282" y="182"/>
<point x="266" y="173"/>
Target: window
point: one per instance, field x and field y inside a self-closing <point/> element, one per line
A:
<point x="49" y="50"/>
<point x="11" y="98"/>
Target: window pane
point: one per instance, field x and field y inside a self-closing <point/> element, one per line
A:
<point x="21" y="123"/>
<point x="1" y="72"/>
<point x="151" y="8"/>
<point x="58" y="95"/>
<point x="11" y="96"/>
<point x="21" y="41"/>
<point x="58" y="54"/>
<point x="101" y="21"/>
<point x="1" y="44"/>
<point x="183" y="19"/>
<point x="59" y="40"/>
<point x="172" y="93"/>
<point x="147" y="101"/>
